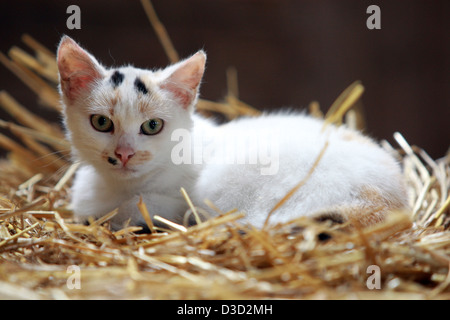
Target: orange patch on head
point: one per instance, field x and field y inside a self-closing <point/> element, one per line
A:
<point x="112" y="101"/>
<point x="143" y="105"/>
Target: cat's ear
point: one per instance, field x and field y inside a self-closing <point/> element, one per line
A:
<point x="78" y="70"/>
<point x="184" y="81"/>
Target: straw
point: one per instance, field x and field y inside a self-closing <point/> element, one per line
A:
<point x="219" y="258"/>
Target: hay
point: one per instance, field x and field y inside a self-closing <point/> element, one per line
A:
<point x="41" y="245"/>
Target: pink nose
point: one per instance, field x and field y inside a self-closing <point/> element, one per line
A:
<point x="124" y="154"/>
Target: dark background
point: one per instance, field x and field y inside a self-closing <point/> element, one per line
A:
<point x="287" y="53"/>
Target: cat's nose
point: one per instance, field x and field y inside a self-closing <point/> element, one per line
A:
<point x="124" y="154"/>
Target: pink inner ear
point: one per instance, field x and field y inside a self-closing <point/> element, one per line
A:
<point x="183" y="83"/>
<point x="183" y="95"/>
<point x="77" y="69"/>
<point x="77" y="81"/>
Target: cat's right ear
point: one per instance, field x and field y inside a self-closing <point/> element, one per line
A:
<point x="185" y="79"/>
<point x="78" y="70"/>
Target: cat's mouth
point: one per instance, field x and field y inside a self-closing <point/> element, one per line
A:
<point x="120" y="168"/>
<point x="124" y="170"/>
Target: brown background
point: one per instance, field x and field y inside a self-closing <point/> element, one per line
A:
<point x="287" y="53"/>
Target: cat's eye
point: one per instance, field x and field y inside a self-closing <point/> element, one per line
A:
<point x="152" y="126"/>
<point x="102" y="123"/>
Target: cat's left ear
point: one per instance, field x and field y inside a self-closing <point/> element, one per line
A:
<point x="78" y="70"/>
<point x="184" y="81"/>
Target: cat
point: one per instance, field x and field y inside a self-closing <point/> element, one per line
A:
<point x="136" y="133"/>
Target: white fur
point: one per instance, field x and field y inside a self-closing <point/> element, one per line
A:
<point x="350" y="164"/>
<point x="99" y="187"/>
<point x="285" y="146"/>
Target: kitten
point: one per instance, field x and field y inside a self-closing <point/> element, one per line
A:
<point x="136" y="134"/>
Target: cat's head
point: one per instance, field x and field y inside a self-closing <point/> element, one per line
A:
<point x="120" y="120"/>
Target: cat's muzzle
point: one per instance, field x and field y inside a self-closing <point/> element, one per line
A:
<point x="112" y="161"/>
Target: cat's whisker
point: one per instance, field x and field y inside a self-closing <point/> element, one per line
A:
<point x="55" y="176"/>
<point x="55" y="157"/>
<point x="67" y="176"/>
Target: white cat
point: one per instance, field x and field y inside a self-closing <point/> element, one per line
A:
<point x="135" y="133"/>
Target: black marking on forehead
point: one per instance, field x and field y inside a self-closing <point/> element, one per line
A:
<point x="117" y="78"/>
<point x="140" y="86"/>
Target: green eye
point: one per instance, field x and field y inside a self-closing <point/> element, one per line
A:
<point x="152" y="126"/>
<point x="101" y="123"/>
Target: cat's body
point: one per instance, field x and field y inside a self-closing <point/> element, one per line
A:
<point x="353" y="178"/>
<point x="135" y="134"/>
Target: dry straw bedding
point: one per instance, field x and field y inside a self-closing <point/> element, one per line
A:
<point x="218" y="258"/>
